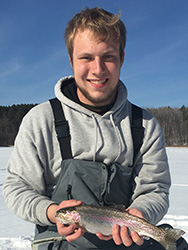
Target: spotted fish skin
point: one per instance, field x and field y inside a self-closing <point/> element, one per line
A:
<point x="100" y="219"/>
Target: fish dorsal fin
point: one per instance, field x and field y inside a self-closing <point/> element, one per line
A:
<point x="119" y="207"/>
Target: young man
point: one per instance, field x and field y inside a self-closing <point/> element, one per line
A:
<point x="101" y="170"/>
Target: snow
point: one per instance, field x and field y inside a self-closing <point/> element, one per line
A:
<point x="18" y="234"/>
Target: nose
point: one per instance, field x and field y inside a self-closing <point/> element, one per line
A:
<point x="98" y="66"/>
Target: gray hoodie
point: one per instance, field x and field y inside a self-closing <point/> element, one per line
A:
<point x="35" y="163"/>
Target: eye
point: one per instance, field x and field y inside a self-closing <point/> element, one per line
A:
<point x="108" y="57"/>
<point x="86" y="58"/>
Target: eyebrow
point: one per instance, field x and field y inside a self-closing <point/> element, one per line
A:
<point x="90" y="54"/>
<point x="84" y="54"/>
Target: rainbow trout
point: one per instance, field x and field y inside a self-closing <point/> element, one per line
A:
<point x="99" y="219"/>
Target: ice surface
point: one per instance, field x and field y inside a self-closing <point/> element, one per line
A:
<point x="18" y="234"/>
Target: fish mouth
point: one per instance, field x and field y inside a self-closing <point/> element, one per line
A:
<point x="67" y="216"/>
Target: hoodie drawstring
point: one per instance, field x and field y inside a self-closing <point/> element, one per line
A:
<point x="96" y="137"/>
<point x="118" y="137"/>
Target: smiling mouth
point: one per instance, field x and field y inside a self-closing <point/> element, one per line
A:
<point x="98" y="82"/>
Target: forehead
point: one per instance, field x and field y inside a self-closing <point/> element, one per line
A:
<point x="87" y="40"/>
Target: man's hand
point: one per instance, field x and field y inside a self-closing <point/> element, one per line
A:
<point x="122" y="235"/>
<point x="71" y="232"/>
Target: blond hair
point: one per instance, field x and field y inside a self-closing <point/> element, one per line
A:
<point x="102" y="23"/>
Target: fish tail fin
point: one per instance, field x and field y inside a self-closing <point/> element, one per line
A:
<point x="170" y="238"/>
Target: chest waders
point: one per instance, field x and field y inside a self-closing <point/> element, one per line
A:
<point x="91" y="182"/>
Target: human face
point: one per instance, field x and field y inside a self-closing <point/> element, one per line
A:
<point x="96" y="66"/>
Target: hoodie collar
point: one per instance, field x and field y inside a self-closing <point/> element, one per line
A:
<point x="68" y="97"/>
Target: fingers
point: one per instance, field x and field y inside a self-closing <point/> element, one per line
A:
<point x="69" y="203"/>
<point x="126" y="239"/>
<point x="122" y="236"/>
<point x="71" y="232"/>
<point x="136" y="238"/>
<point x="116" y="234"/>
<point x="65" y="230"/>
<point x="75" y="235"/>
<point x="104" y="237"/>
<point x="135" y="212"/>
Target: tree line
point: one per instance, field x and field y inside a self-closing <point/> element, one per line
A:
<point x="174" y="122"/>
<point x="10" y="119"/>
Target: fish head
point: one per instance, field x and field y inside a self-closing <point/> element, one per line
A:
<point x="67" y="215"/>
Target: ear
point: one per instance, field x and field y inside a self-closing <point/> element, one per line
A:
<point x="123" y="57"/>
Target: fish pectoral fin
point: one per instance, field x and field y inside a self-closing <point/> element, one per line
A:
<point x="81" y="227"/>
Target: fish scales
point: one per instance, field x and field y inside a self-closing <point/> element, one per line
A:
<point x="110" y="217"/>
<point x="100" y="219"/>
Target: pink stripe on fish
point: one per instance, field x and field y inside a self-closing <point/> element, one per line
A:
<point x="112" y="220"/>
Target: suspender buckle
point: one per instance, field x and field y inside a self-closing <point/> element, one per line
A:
<point x="62" y="129"/>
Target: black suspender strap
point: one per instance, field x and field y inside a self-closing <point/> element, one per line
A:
<point x="63" y="134"/>
<point x="137" y="129"/>
<point x="62" y="129"/>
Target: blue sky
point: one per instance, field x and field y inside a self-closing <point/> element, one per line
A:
<point x="33" y="55"/>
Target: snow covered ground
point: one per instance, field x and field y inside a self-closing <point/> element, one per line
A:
<point x="17" y="234"/>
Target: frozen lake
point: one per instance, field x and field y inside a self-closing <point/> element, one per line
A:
<point x="17" y="234"/>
